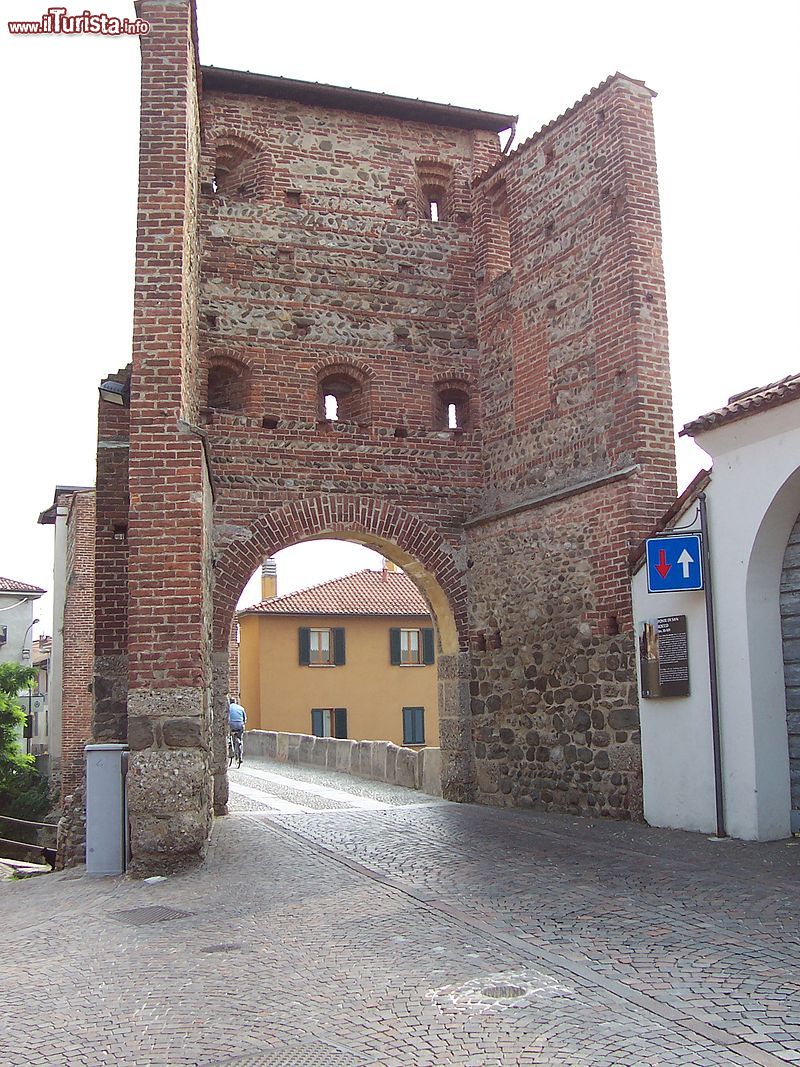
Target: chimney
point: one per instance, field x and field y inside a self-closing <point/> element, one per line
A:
<point x="269" y="579"/>
<point x="389" y="566"/>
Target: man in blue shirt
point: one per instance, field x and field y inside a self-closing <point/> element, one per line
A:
<point x="237" y="718"/>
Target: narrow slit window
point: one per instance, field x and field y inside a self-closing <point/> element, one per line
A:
<point x="452" y="416"/>
<point x="433" y="210"/>
<point x="331" y="407"/>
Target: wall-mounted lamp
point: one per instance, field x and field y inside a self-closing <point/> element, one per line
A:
<point x="26" y="652"/>
<point x="116" y="393"/>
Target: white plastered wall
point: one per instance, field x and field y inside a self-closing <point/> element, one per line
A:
<point x="753" y="502"/>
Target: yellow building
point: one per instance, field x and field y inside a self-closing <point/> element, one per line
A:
<point x="353" y="657"/>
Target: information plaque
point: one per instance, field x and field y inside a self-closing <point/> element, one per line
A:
<point x="664" y="657"/>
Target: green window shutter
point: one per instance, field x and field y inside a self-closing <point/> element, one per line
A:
<point x="338" y="645"/>
<point x="413" y="726"/>
<point x="305" y="645"/>
<point x="428" y="652"/>
<point x="394" y="645"/>
<point x="340" y="722"/>
<point x="317" y="722"/>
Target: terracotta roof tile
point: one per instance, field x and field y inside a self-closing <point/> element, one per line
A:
<point x="523" y="145"/>
<point x="748" y="403"/>
<point x="9" y="585"/>
<point x="364" y="593"/>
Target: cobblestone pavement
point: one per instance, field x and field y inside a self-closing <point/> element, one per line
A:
<point x="338" y="923"/>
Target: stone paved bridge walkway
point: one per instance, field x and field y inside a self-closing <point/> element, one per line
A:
<point x="339" y="923"/>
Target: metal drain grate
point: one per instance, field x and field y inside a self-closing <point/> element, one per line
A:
<point x="151" y="913"/>
<point x="221" y="948"/>
<point x="311" y="1054"/>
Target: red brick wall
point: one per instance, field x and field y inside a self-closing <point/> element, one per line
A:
<point x="575" y="391"/>
<point x="344" y="275"/>
<point x="574" y="336"/>
<point x="168" y="553"/>
<point x="76" y="701"/>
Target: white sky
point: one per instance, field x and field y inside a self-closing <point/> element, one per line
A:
<point x="727" y="75"/>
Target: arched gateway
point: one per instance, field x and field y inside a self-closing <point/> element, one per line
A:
<point x="502" y="427"/>
<point x="401" y="537"/>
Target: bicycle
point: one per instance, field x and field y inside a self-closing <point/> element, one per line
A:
<point x="235" y="748"/>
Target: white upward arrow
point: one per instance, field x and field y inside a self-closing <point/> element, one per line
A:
<point x="685" y="559"/>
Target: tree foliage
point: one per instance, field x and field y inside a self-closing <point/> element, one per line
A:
<point x="23" y="791"/>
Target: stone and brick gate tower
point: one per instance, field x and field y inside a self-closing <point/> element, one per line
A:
<point x="493" y="330"/>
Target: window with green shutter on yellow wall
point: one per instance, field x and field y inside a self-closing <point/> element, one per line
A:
<point x="411" y="647"/>
<point x="321" y="646"/>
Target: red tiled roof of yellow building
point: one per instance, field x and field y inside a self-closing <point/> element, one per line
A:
<point x="364" y="593"/>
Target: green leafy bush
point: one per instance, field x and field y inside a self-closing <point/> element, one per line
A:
<point x="23" y="791"/>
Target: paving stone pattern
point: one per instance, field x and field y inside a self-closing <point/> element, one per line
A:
<point x="420" y="933"/>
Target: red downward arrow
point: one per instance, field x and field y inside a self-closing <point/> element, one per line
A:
<point x="662" y="566"/>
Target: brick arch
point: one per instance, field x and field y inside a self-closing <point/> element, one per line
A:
<point x="236" y="383"/>
<point x="398" y="534"/>
<point x="246" y="163"/>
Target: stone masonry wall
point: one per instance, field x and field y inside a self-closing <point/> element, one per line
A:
<point x="578" y="458"/>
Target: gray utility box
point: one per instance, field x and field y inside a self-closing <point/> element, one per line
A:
<point x="106" y="809"/>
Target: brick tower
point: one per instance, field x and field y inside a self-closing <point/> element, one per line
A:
<point x="490" y="332"/>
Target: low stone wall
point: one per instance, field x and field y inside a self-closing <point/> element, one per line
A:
<point x="380" y="761"/>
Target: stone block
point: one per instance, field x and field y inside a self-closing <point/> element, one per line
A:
<point x="456" y="736"/>
<point x="182" y="733"/>
<point x="458" y="782"/>
<point x="140" y="733"/>
<point x="293" y="747"/>
<point x="406" y="768"/>
<point x="487" y="776"/>
<point x="430" y="775"/>
<point x="305" y="749"/>
<point x="378" y="760"/>
<point x="255" y="743"/>
<point x="162" y="844"/>
<point x="282" y="748"/>
<point x="319" y="752"/>
<point x="344" y="756"/>
<point x="163" y="782"/>
<point x="391" y="762"/>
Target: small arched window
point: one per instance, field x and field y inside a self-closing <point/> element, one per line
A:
<point x="342" y="395"/>
<point x="235" y="170"/>
<point x="228" y="385"/>
<point x="434" y="189"/>
<point x="452" y="406"/>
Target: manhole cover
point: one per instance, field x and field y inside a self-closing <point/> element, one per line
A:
<point x="504" y="992"/>
<point x="310" y="1054"/>
<point x="499" y="992"/>
<point x="152" y="913"/>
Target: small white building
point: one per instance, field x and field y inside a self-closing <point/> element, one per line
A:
<point x="753" y="501"/>
<point x="17" y="601"/>
<point x="16" y="620"/>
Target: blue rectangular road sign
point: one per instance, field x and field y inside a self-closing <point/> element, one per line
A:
<point x="674" y="564"/>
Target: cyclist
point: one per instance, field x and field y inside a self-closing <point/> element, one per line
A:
<point x="237" y="720"/>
